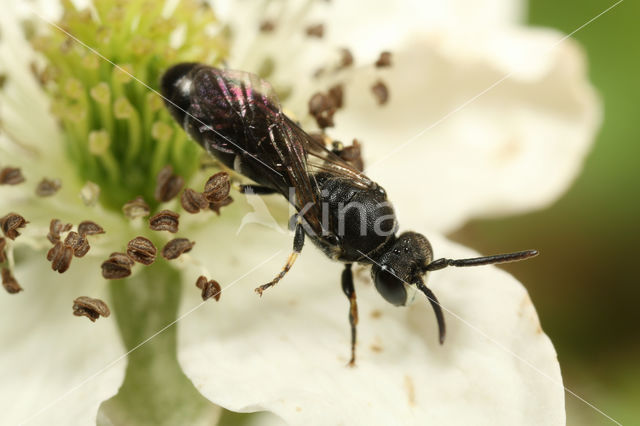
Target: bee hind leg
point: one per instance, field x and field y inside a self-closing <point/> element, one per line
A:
<point x="298" y="243"/>
<point x="350" y="291"/>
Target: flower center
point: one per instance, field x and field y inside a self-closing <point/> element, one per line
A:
<point x="116" y="131"/>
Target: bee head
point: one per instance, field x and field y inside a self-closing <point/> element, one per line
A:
<point x="402" y="266"/>
<point x="176" y="89"/>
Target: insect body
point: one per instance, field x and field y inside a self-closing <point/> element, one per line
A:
<point x="236" y="117"/>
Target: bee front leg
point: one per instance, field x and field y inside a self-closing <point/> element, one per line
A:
<point x="256" y="190"/>
<point x="350" y="292"/>
<point x="298" y="242"/>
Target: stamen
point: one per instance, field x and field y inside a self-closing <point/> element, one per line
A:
<point x="210" y="288"/>
<point x="78" y="243"/>
<point x="166" y="220"/>
<point x="336" y="94"/>
<point x="346" y="59"/>
<point x="136" y="208"/>
<point x="322" y="108"/>
<point x="56" y="227"/>
<point x="193" y="201"/>
<point x="90" y="193"/>
<point x="174" y="248"/>
<point x="381" y="92"/>
<point x="217" y="205"/>
<point x="9" y="282"/>
<point x="142" y="250"/>
<point x="60" y="256"/>
<point x="99" y="142"/>
<point x="48" y="187"/>
<point x="10" y="225"/>
<point x="384" y="60"/>
<point x="353" y="154"/>
<point x="117" y="266"/>
<point x="3" y="254"/>
<point x="11" y="176"/>
<point x="90" y="308"/>
<point x="168" y="185"/>
<point x="316" y="30"/>
<point x="217" y="187"/>
<point x="267" y="26"/>
<point x="88" y="227"/>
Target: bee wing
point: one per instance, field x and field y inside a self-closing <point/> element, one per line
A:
<point x="321" y="159"/>
<point x="278" y="142"/>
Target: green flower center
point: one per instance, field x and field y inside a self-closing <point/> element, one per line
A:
<point x="116" y="130"/>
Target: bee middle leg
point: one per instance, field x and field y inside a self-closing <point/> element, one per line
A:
<point x="350" y="291"/>
<point x="298" y="243"/>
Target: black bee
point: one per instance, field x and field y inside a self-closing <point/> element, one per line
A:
<point x="237" y="118"/>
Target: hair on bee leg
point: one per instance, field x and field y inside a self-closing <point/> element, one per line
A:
<point x="350" y="291"/>
<point x="256" y="190"/>
<point x="298" y="243"/>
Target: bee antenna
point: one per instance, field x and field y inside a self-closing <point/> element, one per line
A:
<point x="477" y="261"/>
<point x="436" y="308"/>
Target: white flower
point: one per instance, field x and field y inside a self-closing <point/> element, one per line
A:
<point x="443" y="153"/>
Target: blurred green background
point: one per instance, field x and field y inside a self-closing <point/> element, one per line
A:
<point x="585" y="282"/>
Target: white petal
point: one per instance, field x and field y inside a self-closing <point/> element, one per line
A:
<point x="24" y="105"/>
<point x="46" y="351"/>
<point x="465" y="148"/>
<point x="295" y="57"/>
<point x="287" y="351"/>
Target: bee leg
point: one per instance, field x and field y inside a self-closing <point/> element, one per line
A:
<point x="256" y="190"/>
<point x="350" y="292"/>
<point x="298" y="242"/>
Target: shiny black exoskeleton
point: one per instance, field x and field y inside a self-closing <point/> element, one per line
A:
<point x="236" y="117"/>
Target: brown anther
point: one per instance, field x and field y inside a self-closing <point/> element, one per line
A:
<point x="216" y="206"/>
<point x="91" y="308"/>
<point x="346" y="59"/>
<point x="320" y="137"/>
<point x="267" y="26"/>
<point x="56" y="227"/>
<point x="336" y="95"/>
<point x="353" y="155"/>
<point x="136" y="208"/>
<point x="60" y="256"/>
<point x="193" y="201"/>
<point x="217" y="187"/>
<point x="10" y="225"/>
<point x="9" y="282"/>
<point x="88" y="227"/>
<point x="210" y="288"/>
<point x="142" y="250"/>
<point x="3" y="255"/>
<point x="168" y="185"/>
<point x="48" y="187"/>
<point x="78" y="243"/>
<point x="174" y="248"/>
<point x="322" y="108"/>
<point x="381" y="92"/>
<point x="384" y="60"/>
<point x="316" y="30"/>
<point x="11" y="176"/>
<point x="117" y="266"/>
<point x="166" y="220"/>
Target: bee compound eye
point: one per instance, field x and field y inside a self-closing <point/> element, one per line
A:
<point x="390" y="286"/>
<point x="333" y="239"/>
